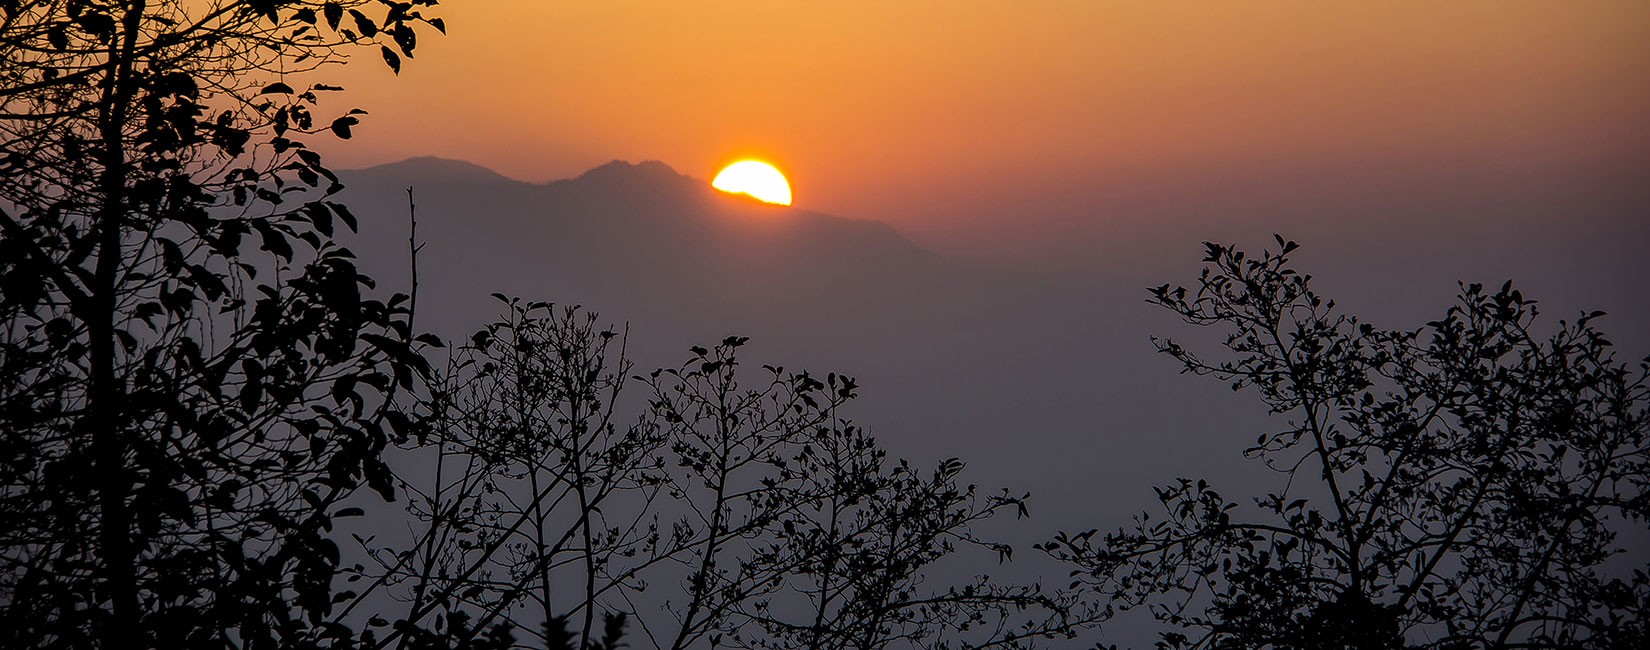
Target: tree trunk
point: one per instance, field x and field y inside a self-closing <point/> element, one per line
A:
<point x="112" y="480"/>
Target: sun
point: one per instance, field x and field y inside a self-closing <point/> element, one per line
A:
<point x="756" y="178"/>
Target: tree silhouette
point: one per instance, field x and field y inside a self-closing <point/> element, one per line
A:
<point x="783" y="523"/>
<point x="182" y="413"/>
<point x="1461" y="485"/>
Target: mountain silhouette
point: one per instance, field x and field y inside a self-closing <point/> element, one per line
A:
<point x="644" y="244"/>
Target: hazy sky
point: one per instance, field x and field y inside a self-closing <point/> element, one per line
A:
<point x="1016" y="127"/>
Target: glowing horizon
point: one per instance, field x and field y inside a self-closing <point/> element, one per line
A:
<point x="1021" y="130"/>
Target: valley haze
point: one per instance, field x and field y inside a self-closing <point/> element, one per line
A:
<point x="1044" y="381"/>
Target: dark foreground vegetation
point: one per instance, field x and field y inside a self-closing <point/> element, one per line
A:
<point x="218" y="433"/>
<point x="1466" y="484"/>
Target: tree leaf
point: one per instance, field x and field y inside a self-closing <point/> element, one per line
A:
<point x="341" y="126"/>
<point x="391" y="58"/>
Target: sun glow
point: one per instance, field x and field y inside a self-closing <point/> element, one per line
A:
<point x="755" y="178"/>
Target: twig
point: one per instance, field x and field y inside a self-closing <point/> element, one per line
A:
<point x="412" y="246"/>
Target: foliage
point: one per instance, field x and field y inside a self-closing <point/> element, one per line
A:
<point x="784" y="524"/>
<point x="1462" y="485"/>
<point x="192" y="375"/>
<point x="189" y="419"/>
<point x="189" y="422"/>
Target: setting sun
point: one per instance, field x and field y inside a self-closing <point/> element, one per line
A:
<point x="755" y="178"/>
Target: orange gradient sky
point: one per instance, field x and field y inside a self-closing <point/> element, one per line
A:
<point x="953" y="119"/>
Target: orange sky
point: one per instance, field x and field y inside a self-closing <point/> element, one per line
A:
<point x="942" y="117"/>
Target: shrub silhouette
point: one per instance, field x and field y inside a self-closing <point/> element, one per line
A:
<point x="1461" y="485"/>
<point x="784" y="524"/>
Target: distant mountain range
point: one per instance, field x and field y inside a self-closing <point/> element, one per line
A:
<point x="643" y="243"/>
<point x="955" y="360"/>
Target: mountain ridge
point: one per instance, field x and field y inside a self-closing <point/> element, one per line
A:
<point x="645" y="178"/>
<point x="644" y="242"/>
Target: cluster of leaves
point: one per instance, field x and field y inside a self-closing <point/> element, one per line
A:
<point x="1462" y="485"/>
<point x="183" y="412"/>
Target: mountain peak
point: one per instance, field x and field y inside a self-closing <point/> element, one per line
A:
<point x="623" y="171"/>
